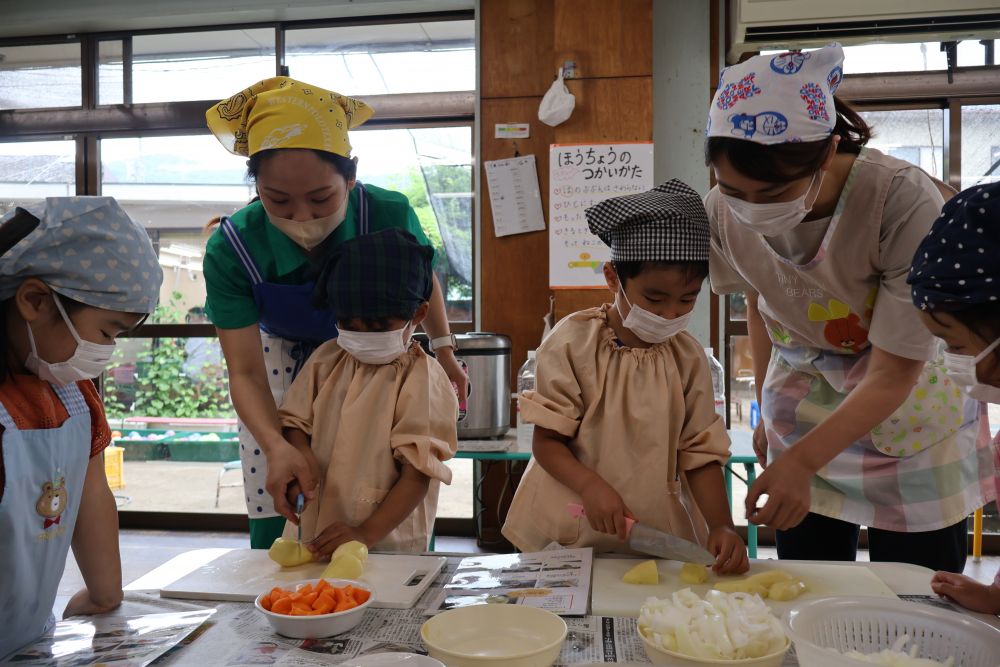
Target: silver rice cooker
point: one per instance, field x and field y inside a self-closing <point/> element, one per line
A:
<point x="486" y="359"/>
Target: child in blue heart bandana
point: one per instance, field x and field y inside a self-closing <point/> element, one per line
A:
<point x="74" y="274"/>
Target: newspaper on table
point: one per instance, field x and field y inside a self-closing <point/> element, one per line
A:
<point x="111" y="640"/>
<point x="558" y="581"/>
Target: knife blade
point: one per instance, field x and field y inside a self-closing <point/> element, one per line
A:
<point x="300" y="502"/>
<point x="664" y="545"/>
<point x="647" y="540"/>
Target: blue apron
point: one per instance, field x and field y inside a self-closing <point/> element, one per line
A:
<point x="291" y="328"/>
<point x="45" y="471"/>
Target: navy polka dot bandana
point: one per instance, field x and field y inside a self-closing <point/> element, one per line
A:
<point x="957" y="265"/>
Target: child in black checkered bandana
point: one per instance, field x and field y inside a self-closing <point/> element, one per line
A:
<point x="624" y="409"/>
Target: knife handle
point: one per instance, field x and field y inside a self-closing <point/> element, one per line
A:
<point x="576" y="511"/>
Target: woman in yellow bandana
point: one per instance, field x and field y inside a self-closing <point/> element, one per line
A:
<point x="261" y="263"/>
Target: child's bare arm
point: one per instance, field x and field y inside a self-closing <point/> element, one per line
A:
<point x="606" y="511"/>
<point x="709" y="490"/>
<point x="95" y="546"/>
<point x="404" y="497"/>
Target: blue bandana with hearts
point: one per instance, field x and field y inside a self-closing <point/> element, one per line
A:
<point x="777" y="99"/>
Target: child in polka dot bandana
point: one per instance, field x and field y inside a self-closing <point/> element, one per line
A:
<point x="75" y="273"/>
<point x="955" y="279"/>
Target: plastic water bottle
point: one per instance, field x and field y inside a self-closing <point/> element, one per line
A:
<point x="525" y="382"/>
<point x="718" y="382"/>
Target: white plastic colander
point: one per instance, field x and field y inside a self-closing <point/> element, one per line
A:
<point x="872" y="624"/>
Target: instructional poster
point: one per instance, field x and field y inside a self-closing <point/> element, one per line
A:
<point x="557" y="580"/>
<point x="580" y="176"/>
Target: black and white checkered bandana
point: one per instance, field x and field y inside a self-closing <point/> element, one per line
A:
<point x="667" y="223"/>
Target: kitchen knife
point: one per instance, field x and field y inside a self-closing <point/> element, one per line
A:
<point x="644" y="539"/>
<point x="299" y="504"/>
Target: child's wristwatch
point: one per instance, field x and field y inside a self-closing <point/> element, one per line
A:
<point x="444" y="341"/>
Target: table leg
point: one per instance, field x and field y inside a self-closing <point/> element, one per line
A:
<point x="728" y="473"/>
<point x="751" y="528"/>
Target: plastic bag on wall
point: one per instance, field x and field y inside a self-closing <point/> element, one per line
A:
<point x="558" y="103"/>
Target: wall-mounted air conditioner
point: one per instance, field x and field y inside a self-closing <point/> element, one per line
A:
<point x="756" y="25"/>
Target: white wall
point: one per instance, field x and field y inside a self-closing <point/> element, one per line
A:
<point x="681" y="76"/>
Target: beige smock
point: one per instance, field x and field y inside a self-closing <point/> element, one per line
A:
<point x="640" y="418"/>
<point x="365" y="422"/>
<point x="829" y="290"/>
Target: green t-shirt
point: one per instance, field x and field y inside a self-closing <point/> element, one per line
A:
<point x="229" y="303"/>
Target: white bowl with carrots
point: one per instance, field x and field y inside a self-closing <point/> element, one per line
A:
<point x="315" y="608"/>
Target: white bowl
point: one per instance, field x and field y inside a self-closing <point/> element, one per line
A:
<point x="661" y="656"/>
<point x="317" y="627"/>
<point x="392" y="660"/>
<point x="822" y="629"/>
<point x="493" y="634"/>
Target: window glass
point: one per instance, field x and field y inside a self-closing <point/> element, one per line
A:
<point x="110" y="80"/>
<point x="33" y="170"/>
<point x="914" y="135"/>
<point x="206" y="65"/>
<point x="433" y="168"/>
<point x="382" y="59"/>
<point x="40" y="76"/>
<point x="980" y="144"/>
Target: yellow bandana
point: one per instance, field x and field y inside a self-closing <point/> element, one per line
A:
<point x="284" y="113"/>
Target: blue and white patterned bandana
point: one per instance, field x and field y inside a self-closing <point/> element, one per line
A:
<point x="778" y="99"/>
<point x="88" y="249"/>
<point x="957" y="265"/>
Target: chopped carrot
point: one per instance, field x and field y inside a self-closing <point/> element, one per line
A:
<point x="324" y="605"/>
<point x="282" y="606"/>
<point x="323" y="598"/>
<point x="347" y="603"/>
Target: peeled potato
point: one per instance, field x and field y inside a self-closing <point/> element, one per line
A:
<point x="769" y="578"/>
<point x="643" y="573"/>
<point x="741" y="586"/>
<point x="344" y="566"/>
<point x="694" y="573"/>
<point x="289" y="553"/>
<point x="783" y="591"/>
<point x="354" y="548"/>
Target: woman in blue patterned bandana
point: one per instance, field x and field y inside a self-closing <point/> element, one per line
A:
<point x="74" y="275"/>
<point x="956" y="286"/>
<point x="859" y="426"/>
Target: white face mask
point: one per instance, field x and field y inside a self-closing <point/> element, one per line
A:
<point x="776" y="218"/>
<point x="961" y="369"/>
<point x="88" y="361"/>
<point x="650" y="327"/>
<point x="310" y="233"/>
<point x="376" y="347"/>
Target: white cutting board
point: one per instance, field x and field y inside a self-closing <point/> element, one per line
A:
<point x="612" y="597"/>
<point x="240" y="575"/>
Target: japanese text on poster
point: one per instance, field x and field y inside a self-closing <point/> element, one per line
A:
<point x="581" y="176"/>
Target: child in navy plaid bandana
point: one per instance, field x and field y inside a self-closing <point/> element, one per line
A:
<point x="373" y="414"/>
<point x="623" y="409"/>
